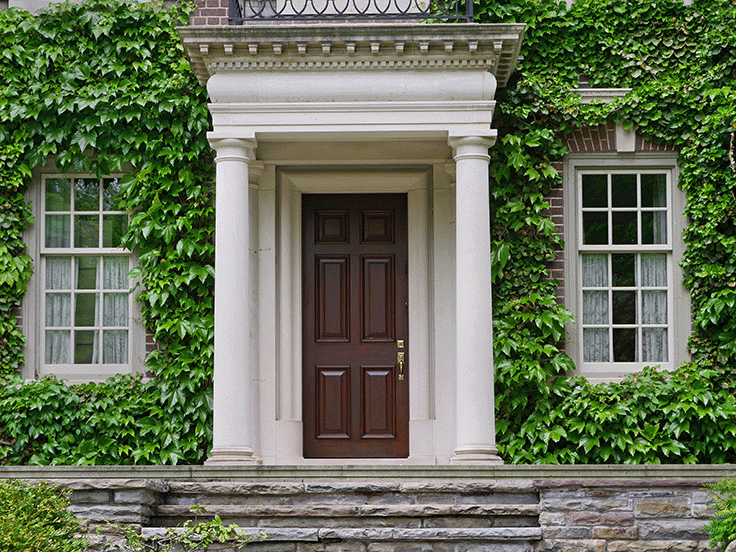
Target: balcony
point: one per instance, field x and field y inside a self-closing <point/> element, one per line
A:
<point x="262" y="11"/>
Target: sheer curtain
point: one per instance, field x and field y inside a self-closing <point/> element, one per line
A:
<point x="596" y="343"/>
<point x="115" y="306"/>
<point x="58" y="310"/>
<point x="654" y="307"/>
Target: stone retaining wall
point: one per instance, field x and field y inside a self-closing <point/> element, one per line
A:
<point x="623" y="516"/>
<point x="419" y="509"/>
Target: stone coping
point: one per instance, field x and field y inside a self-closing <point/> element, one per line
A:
<point x="549" y="475"/>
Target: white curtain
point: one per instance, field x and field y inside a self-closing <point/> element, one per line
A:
<point x="596" y="343"/>
<point x="654" y="307"/>
<point x="115" y="308"/>
<point x="58" y="310"/>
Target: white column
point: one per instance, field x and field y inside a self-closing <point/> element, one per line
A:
<point x="233" y="434"/>
<point x="476" y="428"/>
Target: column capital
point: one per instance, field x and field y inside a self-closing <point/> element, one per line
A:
<point x="472" y="147"/>
<point x="234" y="149"/>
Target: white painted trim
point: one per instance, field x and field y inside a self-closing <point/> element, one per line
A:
<point x="33" y="302"/>
<point x="680" y="300"/>
<point x="284" y="445"/>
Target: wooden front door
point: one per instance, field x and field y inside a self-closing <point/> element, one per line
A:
<point x="356" y="392"/>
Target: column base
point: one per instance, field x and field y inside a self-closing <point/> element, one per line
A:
<point x="232" y="456"/>
<point x="484" y="455"/>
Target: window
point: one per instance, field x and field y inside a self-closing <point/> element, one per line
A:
<point x="625" y="282"/>
<point x="85" y="319"/>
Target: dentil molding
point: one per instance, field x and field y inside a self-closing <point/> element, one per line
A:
<point x="372" y="47"/>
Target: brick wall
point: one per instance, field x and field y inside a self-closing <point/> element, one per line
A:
<point x="210" y="12"/>
<point x="592" y="140"/>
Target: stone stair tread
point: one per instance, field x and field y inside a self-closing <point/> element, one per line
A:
<point x="289" y="534"/>
<point x="502" y="486"/>
<point x="352" y="510"/>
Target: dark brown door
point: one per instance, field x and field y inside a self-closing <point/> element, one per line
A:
<point x="356" y="393"/>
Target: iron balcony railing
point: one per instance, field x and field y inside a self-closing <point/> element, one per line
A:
<point x="242" y="11"/>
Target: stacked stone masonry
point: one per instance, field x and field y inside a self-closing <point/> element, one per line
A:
<point x="507" y="515"/>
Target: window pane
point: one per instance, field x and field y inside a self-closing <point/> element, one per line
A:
<point x="623" y="190"/>
<point x="623" y="269"/>
<point x="86" y="194"/>
<point x="111" y="194"/>
<point x="85" y="309"/>
<point x="595" y="345"/>
<point x="624" y="345"/>
<point x="58" y="231"/>
<point x="58" y="273"/>
<point x="87" y="272"/>
<point x="58" y="310"/>
<point x="595" y="193"/>
<point x="595" y="270"/>
<point x="654" y="345"/>
<point x="654" y="190"/>
<point x="58" y="194"/>
<point x="624" y="307"/>
<point x="654" y="270"/>
<point x="58" y="346"/>
<point x="115" y="347"/>
<point x="653" y="307"/>
<point x="595" y="228"/>
<point x="86" y="347"/>
<point x="86" y="230"/>
<point x="654" y="227"/>
<point x="115" y="273"/>
<point x="115" y="309"/>
<point x="624" y="228"/>
<point x="595" y="307"/>
<point x="113" y="230"/>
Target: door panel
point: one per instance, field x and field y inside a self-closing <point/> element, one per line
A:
<point x="333" y="298"/>
<point x="333" y="401"/>
<point x="356" y="404"/>
<point x="377" y="283"/>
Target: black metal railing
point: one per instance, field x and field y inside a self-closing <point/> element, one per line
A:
<point x="242" y="11"/>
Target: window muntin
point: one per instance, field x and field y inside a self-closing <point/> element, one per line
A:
<point x="625" y="255"/>
<point x="86" y="299"/>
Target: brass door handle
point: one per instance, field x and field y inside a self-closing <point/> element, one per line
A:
<point x="400" y="360"/>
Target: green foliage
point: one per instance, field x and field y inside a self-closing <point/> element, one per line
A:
<point x="105" y="86"/>
<point x="722" y="526"/>
<point x="680" y="62"/>
<point x="37" y="519"/>
<point x="191" y="537"/>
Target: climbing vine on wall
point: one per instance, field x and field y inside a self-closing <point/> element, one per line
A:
<point x="680" y="62"/>
<point x="104" y="86"/>
<point x="101" y="87"/>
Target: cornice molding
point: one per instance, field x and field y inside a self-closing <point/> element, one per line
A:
<point x="424" y="47"/>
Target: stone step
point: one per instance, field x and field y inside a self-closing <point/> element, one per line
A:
<point x="367" y="515"/>
<point x="393" y="534"/>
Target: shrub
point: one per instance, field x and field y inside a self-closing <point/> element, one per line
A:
<point x="722" y="527"/>
<point x="35" y="518"/>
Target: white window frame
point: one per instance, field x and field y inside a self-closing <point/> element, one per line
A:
<point x="33" y="305"/>
<point x="679" y="310"/>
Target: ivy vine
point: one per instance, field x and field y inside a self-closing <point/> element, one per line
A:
<point x="98" y="87"/>
<point x="679" y="60"/>
<point x="105" y="84"/>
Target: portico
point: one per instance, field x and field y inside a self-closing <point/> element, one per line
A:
<point x="304" y="110"/>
